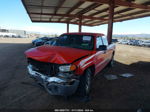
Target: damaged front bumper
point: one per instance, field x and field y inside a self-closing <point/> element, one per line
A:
<point x="55" y="85"/>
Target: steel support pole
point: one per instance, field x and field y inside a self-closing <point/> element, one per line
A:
<point x="80" y="24"/>
<point x="67" y="27"/>
<point x="110" y="21"/>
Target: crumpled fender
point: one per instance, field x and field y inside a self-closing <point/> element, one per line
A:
<point x="84" y="63"/>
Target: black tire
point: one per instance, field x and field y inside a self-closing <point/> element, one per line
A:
<point x="84" y="88"/>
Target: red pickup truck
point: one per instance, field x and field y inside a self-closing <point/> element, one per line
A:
<point x="67" y="66"/>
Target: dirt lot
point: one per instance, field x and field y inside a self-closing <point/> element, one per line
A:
<point x="18" y="92"/>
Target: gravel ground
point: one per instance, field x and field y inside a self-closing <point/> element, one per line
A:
<point x="18" y="92"/>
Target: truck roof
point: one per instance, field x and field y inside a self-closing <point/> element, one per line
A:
<point x="84" y="33"/>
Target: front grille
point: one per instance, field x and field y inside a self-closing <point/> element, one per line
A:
<point x="49" y="69"/>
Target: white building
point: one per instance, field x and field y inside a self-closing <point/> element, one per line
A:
<point x="13" y="33"/>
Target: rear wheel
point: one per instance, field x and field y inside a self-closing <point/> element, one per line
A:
<point x="85" y="84"/>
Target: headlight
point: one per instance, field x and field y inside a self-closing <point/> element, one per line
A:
<point x="67" y="68"/>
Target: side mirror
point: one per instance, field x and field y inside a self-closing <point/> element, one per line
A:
<point x="102" y="47"/>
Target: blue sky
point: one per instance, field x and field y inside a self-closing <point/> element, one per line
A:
<point x="14" y="16"/>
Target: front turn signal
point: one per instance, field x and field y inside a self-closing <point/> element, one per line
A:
<point x="72" y="67"/>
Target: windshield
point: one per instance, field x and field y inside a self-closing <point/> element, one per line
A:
<point x="75" y="41"/>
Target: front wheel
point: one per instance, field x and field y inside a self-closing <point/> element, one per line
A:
<point x="85" y="83"/>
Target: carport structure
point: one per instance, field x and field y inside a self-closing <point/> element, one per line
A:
<point x="86" y="12"/>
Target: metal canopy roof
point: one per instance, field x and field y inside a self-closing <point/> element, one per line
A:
<point x="92" y="12"/>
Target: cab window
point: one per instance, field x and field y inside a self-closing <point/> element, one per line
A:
<point x="98" y="42"/>
<point x="105" y="42"/>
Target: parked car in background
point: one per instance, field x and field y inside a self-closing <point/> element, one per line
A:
<point x="41" y="41"/>
<point x="124" y="42"/>
<point x="145" y="43"/>
<point x="114" y="40"/>
<point x="134" y="42"/>
<point x="51" y="42"/>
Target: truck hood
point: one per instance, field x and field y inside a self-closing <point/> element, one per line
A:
<point x="56" y="54"/>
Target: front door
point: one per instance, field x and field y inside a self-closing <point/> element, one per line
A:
<point x="101" y="56"/>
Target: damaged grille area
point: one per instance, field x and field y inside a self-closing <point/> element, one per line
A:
<point x="49" y="69"/>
